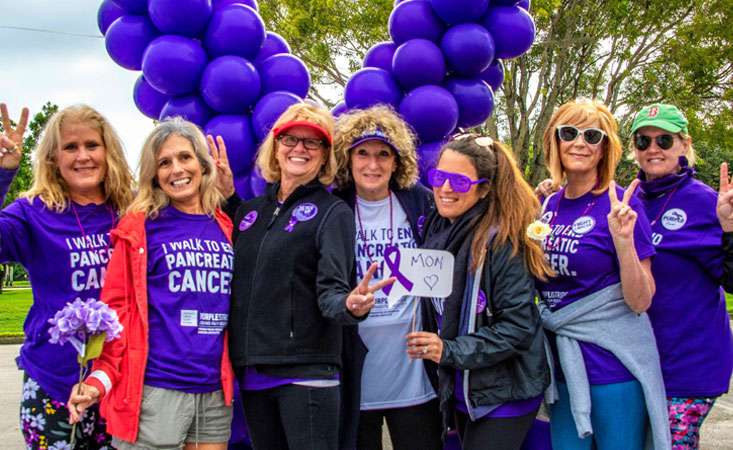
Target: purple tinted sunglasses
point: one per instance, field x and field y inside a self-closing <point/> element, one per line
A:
<point x="459" y="183"/>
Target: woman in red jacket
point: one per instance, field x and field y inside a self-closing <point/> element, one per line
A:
<point x="167" y="381"/>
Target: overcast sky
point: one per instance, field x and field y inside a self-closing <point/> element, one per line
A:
<point x="37" y="67"/>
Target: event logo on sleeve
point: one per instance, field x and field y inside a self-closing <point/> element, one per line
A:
<point x="583" y="224"/>
<point x="674" y="219"/>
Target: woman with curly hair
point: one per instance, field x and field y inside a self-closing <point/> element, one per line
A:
<point x="377" y="177"/>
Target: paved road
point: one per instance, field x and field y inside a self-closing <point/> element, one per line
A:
<point x="717" y="431"/>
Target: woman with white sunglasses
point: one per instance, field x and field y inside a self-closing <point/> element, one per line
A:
<point x="609" y="386"/>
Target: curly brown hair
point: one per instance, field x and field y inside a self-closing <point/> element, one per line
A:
<point x="355" y="123"/>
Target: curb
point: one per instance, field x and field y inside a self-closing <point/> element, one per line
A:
<point x="6" y="340"/>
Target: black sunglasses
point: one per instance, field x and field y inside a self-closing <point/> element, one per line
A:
<point x="643" y="142"/>
<point x="569" y="133"/>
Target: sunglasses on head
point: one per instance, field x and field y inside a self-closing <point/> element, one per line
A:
<point x="458" y="182"/>
<point x="643" y="142"/>
<point x="569" y="133"/>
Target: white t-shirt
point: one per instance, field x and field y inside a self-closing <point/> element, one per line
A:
<point x="390" y="379"/>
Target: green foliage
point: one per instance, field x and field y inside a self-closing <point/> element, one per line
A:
<point x="14" y="306"/>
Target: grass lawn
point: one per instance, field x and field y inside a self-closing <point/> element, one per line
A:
<point x="729" y="303"/>
<point x="14" y="306"/>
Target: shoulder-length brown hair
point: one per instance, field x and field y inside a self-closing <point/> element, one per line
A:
<point x="150" y="197"/>
<point x="267" y="154"/>
<point x="582" y="113"/>
<point x="49" y="185"/>
<point x="511" y="203"/>
<point x="355" y="123"/>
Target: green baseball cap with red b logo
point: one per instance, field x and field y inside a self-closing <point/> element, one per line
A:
<point x="661" y="115"/>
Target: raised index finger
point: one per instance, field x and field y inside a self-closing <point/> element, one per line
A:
<point x="5" y="117"/>
<point x="22" y="123"/>
<point x="630" y="191"/>
<point x="363" y="286"/>
<point x="724" y="183"/>
<point x="222" y="149"/>
<point x="612" y="192"/>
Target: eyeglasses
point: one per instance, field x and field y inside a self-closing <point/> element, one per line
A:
<point x="459" y="183"/>
<point x="309" y="143"/>
<point x="569" y="133"/>
<point x="643" y="142"/>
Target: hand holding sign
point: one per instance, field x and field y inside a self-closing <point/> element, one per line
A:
<point x="724" y="208"/>
<point x="622" y="218"/>
<point x="361" y="299"/>
<point x="419" y="272"/>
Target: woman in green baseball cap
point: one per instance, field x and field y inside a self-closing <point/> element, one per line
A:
<point x="688" y="312"/>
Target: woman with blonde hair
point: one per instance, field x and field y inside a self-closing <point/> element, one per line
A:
<point x="609" y="383"/>
<point x="378" y="179"/>
<point x="59" y="231"/>
<point x="293" y="257"/>
<point x="489" y="347"/>
<point x="167" y="382"/>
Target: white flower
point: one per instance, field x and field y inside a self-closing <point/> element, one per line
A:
<point x="29" y="389"/>
<point x="38" y="422"/>
<point x="538" y="230"/>
<point x="25" y="414"/>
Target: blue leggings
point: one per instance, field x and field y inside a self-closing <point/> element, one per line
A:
<point x="618" y="417"/>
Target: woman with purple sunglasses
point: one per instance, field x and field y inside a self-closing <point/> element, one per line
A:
<point x="609" y="386"/>
<point x="688" y="311"/>
<point x="489" y="344"/>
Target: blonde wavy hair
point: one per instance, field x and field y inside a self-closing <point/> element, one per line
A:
<point x="582" y="113"/>
<point x="150" y="197"/>
<point x="360" y="121"/>
<point x="267" y="153"/>
<point x="49" y="185"/>
<point x="511" y="203"/>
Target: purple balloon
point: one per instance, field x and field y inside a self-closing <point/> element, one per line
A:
<point x="230" y="84"/>
<point x="191" y="107"/>
<point x="274" y="44"/>
<point x="431" y="110"/>
<point x="415" y="19"/>
<point x="339" y="109"/>
<point x="475" y="100"/>
<point x="127" y="38"/>
<point x="174" y="64"/>
<point x="512" y="29"/>
<point x="251" y="3"/>
<point x="525" y="4"/>
<point x="371" y="86"/>
<point x="235" y="30"/>
<point x="269" y="108"/>
<point x="244" y="190"/>
<point x="134" y="6"/>
<point x="108" y="12"/>
<point x="257" y="183"/>
<point x="428" y="155"/>
<point x="188" y="18"/>
<point x="285" y="72"/>
<point x="494" y="75"/>
<point x="468" y="48"/>
<point x="460" y="11"/>
<point x="418" y="62"/>
<point x="380" y="55"/>
<point x="148" y="100"/>
<point x="239" y="139"/>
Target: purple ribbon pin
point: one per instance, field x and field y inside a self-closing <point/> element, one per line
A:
<point x="301" y="213"/>
<point x="481" y="302"/>
<point x="420" y="224"/>
<point x="248" y="220"/>
<point x="394" y="267"/>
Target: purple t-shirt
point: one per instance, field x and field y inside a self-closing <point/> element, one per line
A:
<point x="66" y="255"/>
<point x="189" y="283"/>
<point x="580" y="249"/>
<point x="688" y="311"/>
<point x="516" y="408"/>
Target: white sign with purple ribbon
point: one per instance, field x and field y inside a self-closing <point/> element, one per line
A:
<point x="419" y="272"/>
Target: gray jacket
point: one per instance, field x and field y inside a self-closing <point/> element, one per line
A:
<point x="604" y="319"/>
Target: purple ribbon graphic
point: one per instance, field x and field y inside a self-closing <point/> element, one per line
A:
<point x="394" y="267"/>
<point x="291" y="224"/>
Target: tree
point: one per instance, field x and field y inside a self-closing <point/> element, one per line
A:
<point x="625" y="53"/>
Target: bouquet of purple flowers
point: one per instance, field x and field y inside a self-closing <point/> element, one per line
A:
<point x="87" y="325"/>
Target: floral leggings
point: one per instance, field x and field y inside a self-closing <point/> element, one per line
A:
<point x="45" y="423"/>
<point x="685" y="419"/>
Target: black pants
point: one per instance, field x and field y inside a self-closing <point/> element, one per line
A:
<point x="494" y="434"/>
<point x="411" y="428"/>
<point x="292" y="417"/>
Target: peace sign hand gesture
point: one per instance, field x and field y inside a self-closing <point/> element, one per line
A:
<point x="225" y="178"/>
<point x="361" y="299"/>
<point x="622" y="218"/>
<point x="724" y="209"/>
<point x="11" y="141"/>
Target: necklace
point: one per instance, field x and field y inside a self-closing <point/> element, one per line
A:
<point x="78" y="220"/>
<point x="361" y="226"/>
<point x="556" y="213"/>
<point x="664" y="207"/>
